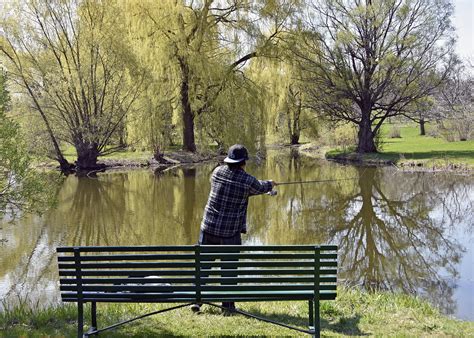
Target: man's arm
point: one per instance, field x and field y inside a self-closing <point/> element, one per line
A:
<point x="260" y="187"/>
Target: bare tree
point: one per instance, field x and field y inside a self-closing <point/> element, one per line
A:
<point x="367" y="60"/>
<point x="455" y="102"/>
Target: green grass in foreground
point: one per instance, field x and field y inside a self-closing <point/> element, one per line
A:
<point x="353" y="313"/>
<point x="412" y="147"/>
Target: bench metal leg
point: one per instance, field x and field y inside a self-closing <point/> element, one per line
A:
<point x="317" y="319"/>
<point x="80" y="319"/>
<point x="311" y="315"/>
<point x="93" y="316"/>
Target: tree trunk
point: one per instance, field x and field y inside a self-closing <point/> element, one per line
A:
<point x="64" y="165"/>
<point x="365" y="135"/>
<point x="188" y="115"/>
<point x="295" y="137"/>
<point x="87" y="156"/>
<point x="422" y="127"/>
<point x="293" y="126"/>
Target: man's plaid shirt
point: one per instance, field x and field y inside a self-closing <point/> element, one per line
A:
<point x="225" y="214"/>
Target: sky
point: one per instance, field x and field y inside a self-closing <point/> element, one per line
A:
<point x="464" y="22"/>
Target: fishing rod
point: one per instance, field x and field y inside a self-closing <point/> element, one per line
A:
<point x="274" y="192"/>
<point x="317" y="181"/>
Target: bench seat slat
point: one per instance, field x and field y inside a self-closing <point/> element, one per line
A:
<point x="222" y="256"/>
<point x="256" y="264"/>
<point x="128" y="273"/>
<point x="137" y="248"/>
<point x="205" y="248"/>
<point x="279" y="279"/>
<point x="205" y="295"/>
<point x="229" y="272"/>
<point x="256" y="272"/>
<point x="143" y="257"/>
<point x="241" y="248"/>
<point x="292" y="256"/>
<point x="276" y="279"/>
<point x="134" y="280"/>
<point x="179" y="288"/>
<point x="216" y="298"/>
<point x="127" y="265"/>
<point x="147" y="265"/>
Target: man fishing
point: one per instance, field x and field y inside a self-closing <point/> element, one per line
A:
<point x="225" y="214"/>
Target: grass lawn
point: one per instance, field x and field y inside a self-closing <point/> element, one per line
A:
<point x="353" y="313"/>
<point x="413" y="148"/>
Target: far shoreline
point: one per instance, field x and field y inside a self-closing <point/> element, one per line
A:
<point x="129" y="161"/>
<point x="383" y="160"/>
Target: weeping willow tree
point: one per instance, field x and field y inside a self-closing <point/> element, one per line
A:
<point x="199" y="50"/>
<point x="152" y="125"/>
<point x="236" y="116"/>
<point x="71" y="59"/>
<point x="284" y="99"/>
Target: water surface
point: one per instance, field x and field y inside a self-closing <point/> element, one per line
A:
<point x="408" y="232"/>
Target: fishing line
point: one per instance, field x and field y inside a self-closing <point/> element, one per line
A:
<point x="274" y="192"/>
<point x="321" y="181"/>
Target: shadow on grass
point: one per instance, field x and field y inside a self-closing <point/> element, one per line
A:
<point x="144" y="332"/>
<point x="345" y="325"/>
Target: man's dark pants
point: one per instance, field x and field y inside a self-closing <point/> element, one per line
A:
<point x="208" y="239"/>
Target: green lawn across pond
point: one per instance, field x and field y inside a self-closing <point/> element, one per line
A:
<point x="354" y="313"/>
<point x="412" y="148"/>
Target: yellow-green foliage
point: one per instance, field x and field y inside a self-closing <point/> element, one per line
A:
<point x="284" y="99"/>
<point x="182" y="44"/>
<point x="72" y="63"/>
<point x="21" y="187"/>
<point x="341" y="136"/>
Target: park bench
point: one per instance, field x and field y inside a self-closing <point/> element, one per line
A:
<point x="184" y="275"/>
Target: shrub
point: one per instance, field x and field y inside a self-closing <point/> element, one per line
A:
<point x="394" y="132"/>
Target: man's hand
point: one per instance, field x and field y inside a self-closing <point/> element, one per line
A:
<point x="274" y="184"/>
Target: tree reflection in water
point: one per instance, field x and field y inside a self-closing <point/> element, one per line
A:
<point x="393" y="228"/>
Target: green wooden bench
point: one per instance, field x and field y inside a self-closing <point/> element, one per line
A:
<point x="197" y="274"/>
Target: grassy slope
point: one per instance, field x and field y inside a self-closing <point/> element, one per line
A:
<point x="354" y="313"/>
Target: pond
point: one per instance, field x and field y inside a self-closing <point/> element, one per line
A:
<point x="401" y="231"/>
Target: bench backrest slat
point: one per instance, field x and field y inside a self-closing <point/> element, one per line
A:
<point x="191" y="248"/>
